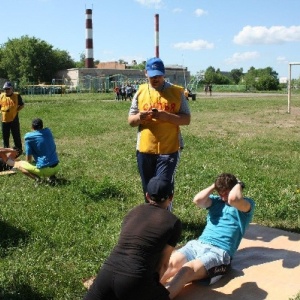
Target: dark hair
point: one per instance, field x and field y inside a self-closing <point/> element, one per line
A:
<point x="225" y="181"/>
<point x="37" y="124"/>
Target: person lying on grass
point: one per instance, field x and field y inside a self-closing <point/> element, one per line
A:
<point x="10" y="152"/>
<point x="208" y="258"/>
<point x="41" y="157"/>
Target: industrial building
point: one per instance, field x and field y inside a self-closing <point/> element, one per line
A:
<point x="106" y="75"/>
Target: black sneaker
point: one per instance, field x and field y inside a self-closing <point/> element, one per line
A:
<point x="37" y="182"/>
<point x="51" y="180"/>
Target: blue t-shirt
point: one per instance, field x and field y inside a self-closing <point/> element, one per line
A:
<point x="226" y="225"/>
<point x="40" y="144"/>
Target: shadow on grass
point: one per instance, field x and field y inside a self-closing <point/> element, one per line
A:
<point x="23" y="292"/>
<point x="62" y="181"/>
<point x="11" y="237"/>
<point x="98" y="191"/>
<point x="57" y="182"/>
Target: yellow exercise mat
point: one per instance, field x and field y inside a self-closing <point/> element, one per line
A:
<point x="266" y="266"/>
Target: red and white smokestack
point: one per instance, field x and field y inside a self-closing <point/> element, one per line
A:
<point x="156" y="24"/>
<point x="89" y="55"/>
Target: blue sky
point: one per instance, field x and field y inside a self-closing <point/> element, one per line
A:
<point x="225" y="34"/>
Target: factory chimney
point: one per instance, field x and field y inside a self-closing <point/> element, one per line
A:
<point x="156" y="25"/>
<point x="89" y="55"/>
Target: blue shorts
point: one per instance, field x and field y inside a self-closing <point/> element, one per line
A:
<point x="215" y="260"/>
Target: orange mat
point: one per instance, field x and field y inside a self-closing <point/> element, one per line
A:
<point x="266" y="266"/>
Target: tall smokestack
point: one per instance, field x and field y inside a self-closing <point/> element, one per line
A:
<point x="89" y="55"/>
<point x="156" y="24"/>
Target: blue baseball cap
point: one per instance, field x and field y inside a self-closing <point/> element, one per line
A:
<point x="7" y="85"/>
<point x="155" y="67"/>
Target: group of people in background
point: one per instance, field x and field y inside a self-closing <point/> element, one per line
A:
<point x="145" y="264"/>
<point x="124" y="92"/>
<point x="208" y="89"/>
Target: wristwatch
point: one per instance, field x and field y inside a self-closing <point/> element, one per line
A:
<point x="242" y="184"/>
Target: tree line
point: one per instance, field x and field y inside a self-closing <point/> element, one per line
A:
<point x="29" y="60"/>
<point x="265" y="79"/>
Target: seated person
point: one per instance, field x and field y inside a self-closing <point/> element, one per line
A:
<point x="208" y="257"/>
<point x="41" y="157"/>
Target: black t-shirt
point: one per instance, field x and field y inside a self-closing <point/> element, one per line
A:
<point x="146" y="230"/>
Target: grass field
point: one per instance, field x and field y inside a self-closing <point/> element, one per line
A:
<point x="52" y="238"/>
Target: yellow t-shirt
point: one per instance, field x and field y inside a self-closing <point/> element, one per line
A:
<point x="9" y="106"/>
<point x="158" y="137"/>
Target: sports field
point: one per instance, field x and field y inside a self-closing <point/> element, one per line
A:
<point x="52" y="238"/>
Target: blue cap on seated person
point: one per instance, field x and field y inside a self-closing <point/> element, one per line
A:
<point x="159" y="189"/>
<point x="7" y="85"/>
<point x="155" y="67"/>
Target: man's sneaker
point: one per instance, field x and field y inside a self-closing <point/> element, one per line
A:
<point x="51" y="180"/>
<point x="37" y="182"/>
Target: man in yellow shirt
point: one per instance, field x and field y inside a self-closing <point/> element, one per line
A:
<point x="158" y="108"/>
<point x="10" y="104"/>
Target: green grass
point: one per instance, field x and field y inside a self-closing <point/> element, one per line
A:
<point x="54" y="237"/>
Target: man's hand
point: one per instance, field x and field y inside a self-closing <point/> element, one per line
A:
<point x="145" y="116"/>
<point x="140" y="118"/>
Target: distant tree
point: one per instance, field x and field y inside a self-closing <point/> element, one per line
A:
<point x="210" y="75"/>
<point x="31" y="60"/>
<point x="295" y="83"/>
<point x="262" y="79"/>
<point x="236" y="75"/>
<point x="3" y="74"/>
<point x="267" y="82"/>
<point x="141" y="66"/>
<point x="215" y="76"/>
<point x="122" y="61"/>
<point x="62" y="60"/>
<point x="81" y="62"/>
